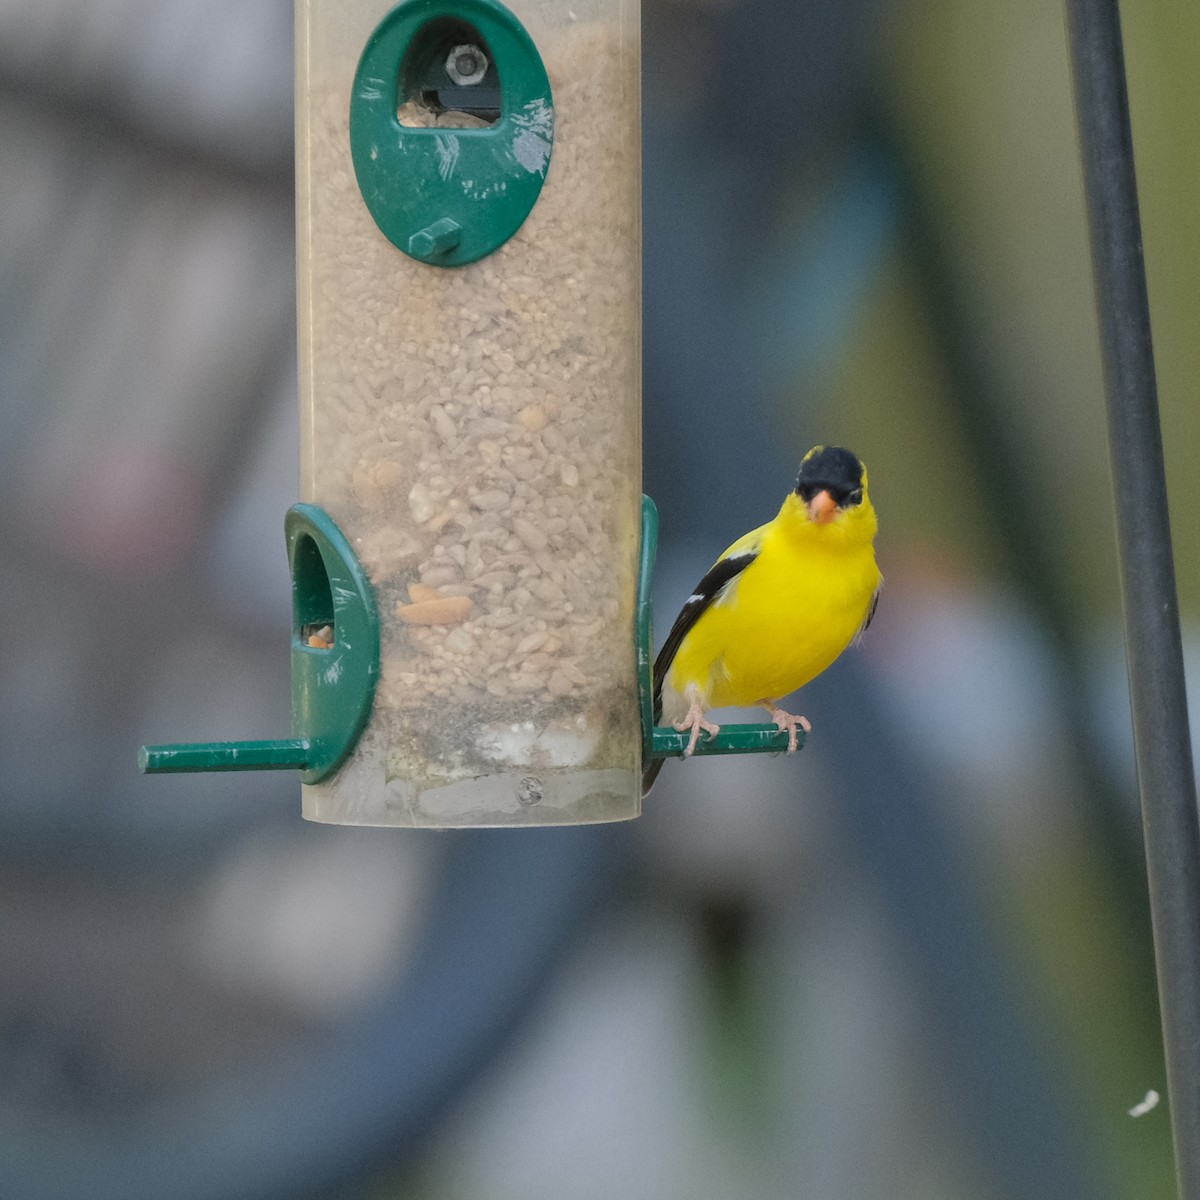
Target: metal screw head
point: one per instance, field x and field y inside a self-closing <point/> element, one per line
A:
<point x="466" y="65"/>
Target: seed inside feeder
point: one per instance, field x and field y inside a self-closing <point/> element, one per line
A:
<point x="320" y="637"/>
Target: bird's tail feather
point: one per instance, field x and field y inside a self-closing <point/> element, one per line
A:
<point x="661" y="663"/>
<point x="650" y="775"/>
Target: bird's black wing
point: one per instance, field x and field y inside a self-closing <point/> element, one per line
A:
<point x="722" y="574"/>
<point x="869" y="617"/>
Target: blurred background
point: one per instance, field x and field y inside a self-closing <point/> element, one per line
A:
<point x="913" y="963"/>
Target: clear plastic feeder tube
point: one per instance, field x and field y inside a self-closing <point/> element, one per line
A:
<point x="474" y="431"/>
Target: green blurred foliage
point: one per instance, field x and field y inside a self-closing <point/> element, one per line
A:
<point x="981" y="96"/>
<point x="1162" y="49"/>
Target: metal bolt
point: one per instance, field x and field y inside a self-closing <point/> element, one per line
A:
<point x="467" y="65"/>
<point x="530" y="791"/>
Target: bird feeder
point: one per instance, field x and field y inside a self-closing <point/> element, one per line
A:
<point x="465" y="562"/>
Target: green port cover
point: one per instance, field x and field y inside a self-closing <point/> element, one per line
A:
<point x="332" y="689"/>
<point x="449" y="196"/>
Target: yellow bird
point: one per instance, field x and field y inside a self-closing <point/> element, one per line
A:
<point x="777" y="607"/>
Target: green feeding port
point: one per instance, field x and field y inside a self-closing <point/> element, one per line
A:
<point x="663" y="741"/>
<point x="335" y="664"/>
<point x="449" y="68"/>
<point x="451" y="128"/>
<point x="312" y="597"/>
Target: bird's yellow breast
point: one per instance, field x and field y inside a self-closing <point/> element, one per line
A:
<point x="794" y="609"/>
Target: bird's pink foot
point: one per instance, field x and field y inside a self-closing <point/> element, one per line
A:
<point x="695" y="722"/>
<point x="786" y="721"/>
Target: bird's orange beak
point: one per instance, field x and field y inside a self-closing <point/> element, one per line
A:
<point x="822" y="508"/>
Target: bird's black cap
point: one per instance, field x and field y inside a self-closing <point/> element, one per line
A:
<point x="831" y="469"/>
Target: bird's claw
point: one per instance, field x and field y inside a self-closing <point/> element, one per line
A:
<point x="789" y="722"/>
<point x="695" y="722"/>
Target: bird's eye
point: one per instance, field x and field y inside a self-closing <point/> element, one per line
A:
<point x="855" y="497"/>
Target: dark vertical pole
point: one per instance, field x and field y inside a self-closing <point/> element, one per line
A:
<point x="1155" y="656"/>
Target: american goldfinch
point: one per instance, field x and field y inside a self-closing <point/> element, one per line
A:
<point x="777" y="607"/>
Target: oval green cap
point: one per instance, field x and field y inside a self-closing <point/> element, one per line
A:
<point x="447" y="194"/>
